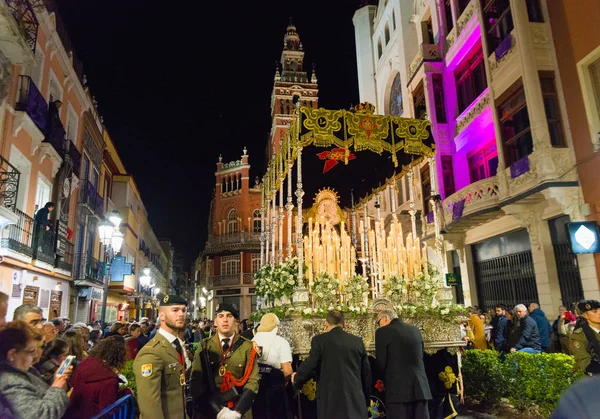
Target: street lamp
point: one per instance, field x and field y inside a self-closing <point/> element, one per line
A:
<point x="112" y="240"/>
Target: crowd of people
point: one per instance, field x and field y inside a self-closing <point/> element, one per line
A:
<point x="229" y="369"/>
<point x="527" y="329"/>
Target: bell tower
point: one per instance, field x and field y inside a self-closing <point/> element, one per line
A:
<point x="291" y="85"/>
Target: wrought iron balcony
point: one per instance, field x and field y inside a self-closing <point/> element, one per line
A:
<point x="19" y="237"/>
<point x="89" y="197"/>
<point x="66" y="262"/>
<point x="26" y="20"/>
<point x="235" y="241"/>
<point x="44" y="245"/>
<point x="224" y="280"/>
<point x="88" y="269"/>
<point x="31" y="101"/>
<point x="56" y="135"/>
<point x="9" y="184"/>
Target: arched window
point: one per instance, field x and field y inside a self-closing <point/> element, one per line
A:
<point x="232" y="222"/>
<point x="256" y="224"/>
<point x="379" y="49"/>
<point x="387" y="33"/>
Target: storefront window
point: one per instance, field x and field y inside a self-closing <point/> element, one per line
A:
<point x="111" y="313"/>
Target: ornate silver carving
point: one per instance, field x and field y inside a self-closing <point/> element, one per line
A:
<point x="437" y="333"/>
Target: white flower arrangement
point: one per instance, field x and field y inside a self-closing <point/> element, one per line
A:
<point x="326" y="290"/>
<point x="277" y="282"/>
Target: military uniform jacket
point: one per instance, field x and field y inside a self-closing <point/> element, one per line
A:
<point x="157" y="372"/>
<point x="236" y="361"/>
<point x="583" y="351"/>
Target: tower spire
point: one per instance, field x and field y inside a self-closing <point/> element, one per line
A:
<point x="292" y="57"/>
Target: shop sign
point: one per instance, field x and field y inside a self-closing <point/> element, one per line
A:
<point x="95" y="294"/>
<point x="233" y="291"/>
<point x="452" y="279"/>
<point x="584" y="237"/>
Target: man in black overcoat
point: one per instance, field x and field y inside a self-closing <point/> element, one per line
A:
<point x="339" y="364"/>
<point x="399" y="351"/>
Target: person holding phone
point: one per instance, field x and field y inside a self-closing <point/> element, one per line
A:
<point x="28" y="395"/>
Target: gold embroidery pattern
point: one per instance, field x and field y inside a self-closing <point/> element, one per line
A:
<point x="407" y="140"/>
<point x="448" y="377"/>
<point x="322" y="125"/>
<point x="368" y="132"/>
<point x="310" y="390"/>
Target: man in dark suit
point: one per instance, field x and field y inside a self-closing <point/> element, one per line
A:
<point x="339" y="363"/>
<point x="399" y="351"/>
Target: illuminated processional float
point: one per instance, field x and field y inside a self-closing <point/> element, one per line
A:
<point x="340" y="252"/>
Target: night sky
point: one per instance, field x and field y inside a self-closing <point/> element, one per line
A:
<point x="179" y="82"/>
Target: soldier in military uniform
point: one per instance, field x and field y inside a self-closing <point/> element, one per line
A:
<point x="225" y="371"/>
<point x="585" y="340"/>
<point x="160" y="365"/>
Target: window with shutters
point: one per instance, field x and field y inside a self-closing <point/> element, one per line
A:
<point x="498" y="21"/>
<point x="448" y="176"/>
<point x="483" y="163"/>
<point x="256" y="221"/>
<point x="232" y="222"/>
<point x="420" y="105"/>
<point x="557" y="138"/>
<point x="448" y="16"/>
<point x="515" y="126"/>
<point x="230" y="265"/>
<point x="438" y="95"/>
<point x="470" y="79"/>
<point x="255" y="262"/>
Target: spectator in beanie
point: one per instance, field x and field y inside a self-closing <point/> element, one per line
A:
<point x="95" y="381"/>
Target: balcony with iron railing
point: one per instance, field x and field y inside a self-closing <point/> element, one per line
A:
<point x="18" y="237"/>
<point x="234" y="241"/>
<point x="32" y="103"/>
<point x="88" y="269"/>
<point x="44" y="245"/>
<point x="66" y="261"/>
<point x="224" y="280"/>
<point x="19" y="31"/>
<point x="91" y="199"/>
<point x="9" y="184"/>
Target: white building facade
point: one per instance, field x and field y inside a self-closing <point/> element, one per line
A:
<point x="504" y="185"/>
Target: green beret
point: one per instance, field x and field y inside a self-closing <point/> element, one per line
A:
<point x="228" y="307"/>
<point x="587" y="305"/>
<point x="173" y="300"/>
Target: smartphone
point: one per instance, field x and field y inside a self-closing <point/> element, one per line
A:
<point x="65" y="365"/>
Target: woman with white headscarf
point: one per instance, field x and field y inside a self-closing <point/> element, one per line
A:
<point x="275" y="366"/>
